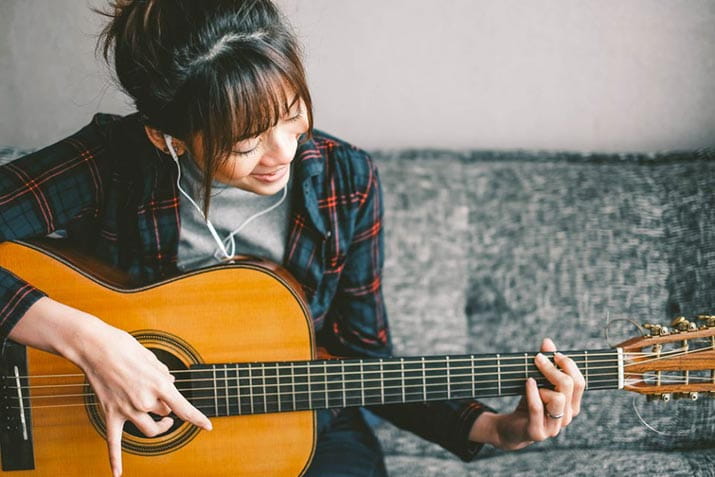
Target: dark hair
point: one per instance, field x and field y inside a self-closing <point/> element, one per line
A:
<point x="219" y="69"/>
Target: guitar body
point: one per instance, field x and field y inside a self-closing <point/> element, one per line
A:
<point x="226" y="314"/>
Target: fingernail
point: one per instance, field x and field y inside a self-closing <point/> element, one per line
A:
<point x="540" y="357"/>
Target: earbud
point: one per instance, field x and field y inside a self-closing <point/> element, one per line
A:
<point x="170" y="148"/>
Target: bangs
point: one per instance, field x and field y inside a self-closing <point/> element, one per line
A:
<point x="244" y="99"/>
<point x="239" y="95"/>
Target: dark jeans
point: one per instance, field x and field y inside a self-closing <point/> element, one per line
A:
<point x="346" y="447"/>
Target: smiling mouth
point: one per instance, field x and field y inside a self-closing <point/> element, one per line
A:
<point x="271" y="176"/>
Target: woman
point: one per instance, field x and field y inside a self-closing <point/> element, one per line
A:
<point x="224" y="124"/>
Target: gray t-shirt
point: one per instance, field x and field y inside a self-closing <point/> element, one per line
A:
<point x="265" y="236"/>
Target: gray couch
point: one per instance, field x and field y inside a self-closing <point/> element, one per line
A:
<point x="490" y="252"/>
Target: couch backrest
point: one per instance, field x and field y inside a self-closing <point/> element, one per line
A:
<point x="491" y="252"/>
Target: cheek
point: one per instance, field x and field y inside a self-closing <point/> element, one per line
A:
<point x="238" y="168"/>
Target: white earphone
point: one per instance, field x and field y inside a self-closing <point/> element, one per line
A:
<point x="226" y="247"/>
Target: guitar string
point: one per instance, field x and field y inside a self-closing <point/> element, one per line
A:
<point x="462" y="386"/>
<point x="415" y="391"/>
<point x="327" y="382"/>
<point x="317" y="364"/>
<point x="382" y="373"/>
<point x="409" y="389"/>
<point x="336" y="382"/>
<point x="235" y="368"/>
<point x="392" y="360"/>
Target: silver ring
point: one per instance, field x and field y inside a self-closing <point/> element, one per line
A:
<point x="557" y="416"/>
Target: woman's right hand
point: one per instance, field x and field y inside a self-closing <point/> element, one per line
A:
<point x="128" y="379"/>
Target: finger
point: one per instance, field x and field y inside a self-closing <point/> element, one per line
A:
<point x="149" y="427"/>
<point x="115" y="427"/>
<point x="535" y="406"/>
<point x="161" y="409"/>
<point x="554" y="404"/>
<point x="547" y="345"/>
<point x="183" y="408"/>
<point x="579" y="383"/>
<point x="563" y="383"/>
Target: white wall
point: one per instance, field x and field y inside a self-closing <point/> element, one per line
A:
<point x="608" y="75"/>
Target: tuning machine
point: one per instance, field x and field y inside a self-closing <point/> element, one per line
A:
<point x="657" y="330"/>
<point x="665" y="397"/>
<point x="709" y="320"/>
<point x="680" y="323"/>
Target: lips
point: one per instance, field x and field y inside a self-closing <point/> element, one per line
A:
<point x="271" y="176"/>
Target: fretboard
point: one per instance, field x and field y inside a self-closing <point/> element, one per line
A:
<point x="253" y="388"/>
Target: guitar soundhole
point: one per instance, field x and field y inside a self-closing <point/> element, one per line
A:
<point x="178" y="356"/>
<point x="174" y="364"/>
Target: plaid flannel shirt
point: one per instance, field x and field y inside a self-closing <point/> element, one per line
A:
<point x="115" y="196"/>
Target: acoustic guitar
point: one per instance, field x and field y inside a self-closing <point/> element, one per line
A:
<point x="239" y="340"/>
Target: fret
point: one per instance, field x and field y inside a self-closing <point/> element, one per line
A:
<point x="344" y="378"/>
<point x="263" y="385"/>
<point x="435" y="379"/>
<point x="424" y="380"/>
<point x="372" y="381"/>
<point x="270" y="388"/>
<point x="402" y="377"/>
<point x="278" y="390"/>
<point x="244" y="382"/>
<point x="301" y="387"/>
<point x="498" y="375"/>
<point x="325" y="376"/>
<point x="352" y="385"/>
<point x="226" y="388"/>
<point x="292" y="383"/>
<point x="461" y="378"/>
<point x="449" y="380"/>
<point x="213" y="380"/>
<point x="474" y="384"/>
<point x="286" y="398"/>
<point x="362" y="383"/>
<point x="382" y="383"/>
<point x="310" y="387"/>
<point x="318" y="384"/>
<point x="238" y="391"/>
<point x="585" y="359"/>
<point x="334" y="387"/>
<point x="414" y="387"/>
<point x="250" y="387"/>
<point x="526" y="366"/>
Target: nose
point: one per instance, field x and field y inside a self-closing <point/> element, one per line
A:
<point x="281" y="147"/>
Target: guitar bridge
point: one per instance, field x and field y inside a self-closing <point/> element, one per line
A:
<point x="16" y="447"/>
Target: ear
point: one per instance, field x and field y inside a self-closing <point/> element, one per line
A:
<point x="157" y="138"/>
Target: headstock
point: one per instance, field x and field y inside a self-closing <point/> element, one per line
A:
<point x="672" y="362"/>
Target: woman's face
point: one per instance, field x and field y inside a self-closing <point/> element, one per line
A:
<point x="262" y="164"/>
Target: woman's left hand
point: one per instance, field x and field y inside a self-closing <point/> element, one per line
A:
<point x="542" y="413"/>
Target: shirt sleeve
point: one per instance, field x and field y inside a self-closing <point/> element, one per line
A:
<point x="358" y="325"/>
<point x="41" y="193"/>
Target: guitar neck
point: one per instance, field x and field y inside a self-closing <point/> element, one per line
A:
<point x="253" y="388"/>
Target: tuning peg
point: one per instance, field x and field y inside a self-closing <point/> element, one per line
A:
<point x="656" y="330"/>
<point x="659" y="397"/>
<point x="680" y="323"/>
<point x="708" y="319"/>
